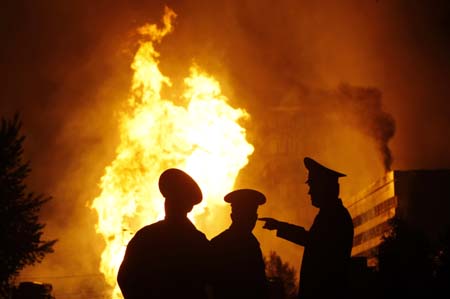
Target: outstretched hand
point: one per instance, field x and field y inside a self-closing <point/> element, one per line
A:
<point x="270" y="224"/>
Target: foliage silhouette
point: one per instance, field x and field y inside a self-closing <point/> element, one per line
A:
<point x="20" y="229"/>
<point x="277" y="270"/>
<point x="441" y="273"/>
<point x="405" y="262"/>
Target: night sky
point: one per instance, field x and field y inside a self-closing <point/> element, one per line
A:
<point x="350" y="83"/>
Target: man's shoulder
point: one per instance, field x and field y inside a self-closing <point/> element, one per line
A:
<point x="189" y="232"/>
<point x="200" y="235"/>
<point x="234" y="239"/>
<point x="223" y="236"/>
<point x="343" y="211"/>
<point x="150" y="229"/>
<point x="141" y="238"/>
<point x="339" y="218"/>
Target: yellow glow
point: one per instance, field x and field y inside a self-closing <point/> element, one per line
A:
<point x="202" y="138"/>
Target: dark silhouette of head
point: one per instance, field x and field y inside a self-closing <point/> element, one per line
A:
<point x="323" y="183"/>
<point x="244" y="207"/>
<point x="180" y="191"/>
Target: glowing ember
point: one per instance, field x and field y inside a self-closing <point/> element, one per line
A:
<point x="203" y="138"/>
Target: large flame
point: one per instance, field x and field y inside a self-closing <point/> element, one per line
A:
<point x="202" y="137"/>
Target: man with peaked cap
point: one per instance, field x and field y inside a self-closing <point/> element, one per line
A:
<point x="168" y="259"/>
<point x="328" y="243"/>
<point x="238" y="264"/>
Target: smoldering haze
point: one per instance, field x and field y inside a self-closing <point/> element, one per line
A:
<point x="321" y="79"/>
<point x="364" y="105"/>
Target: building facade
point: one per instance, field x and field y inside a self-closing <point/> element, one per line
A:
<point x="420" y="197"/>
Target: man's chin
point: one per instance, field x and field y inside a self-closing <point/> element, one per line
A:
<point x="314" y="204"/>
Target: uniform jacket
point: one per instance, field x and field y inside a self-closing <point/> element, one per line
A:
<point x="165" y="261"/>
<point x="239" y="270"/>
<point x="327" y="252"/>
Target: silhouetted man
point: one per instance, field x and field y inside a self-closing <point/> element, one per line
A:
<point x="328" y="243"/>
<point x="239" y="270"/>
<point x="167" y="259"/>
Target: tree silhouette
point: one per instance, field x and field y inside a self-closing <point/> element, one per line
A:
<point x="442" y="266"/>
<point x="281" y="277"/>
<point x="405" y="262"/>
<point x="20" y="230"/>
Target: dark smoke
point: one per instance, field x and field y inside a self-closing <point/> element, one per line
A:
<point x="364" y="107"/>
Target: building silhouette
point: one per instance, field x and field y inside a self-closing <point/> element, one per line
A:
<point x="421" y="198"/>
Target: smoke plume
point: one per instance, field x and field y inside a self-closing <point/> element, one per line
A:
<point x="364" y="105"/>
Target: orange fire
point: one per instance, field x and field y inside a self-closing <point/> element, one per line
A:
<point x="202" y="137"/>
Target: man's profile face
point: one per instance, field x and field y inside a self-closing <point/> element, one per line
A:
<point x="244" y="219"/>
<point x="323" y="192"/>
<point x="316" y="192"/>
